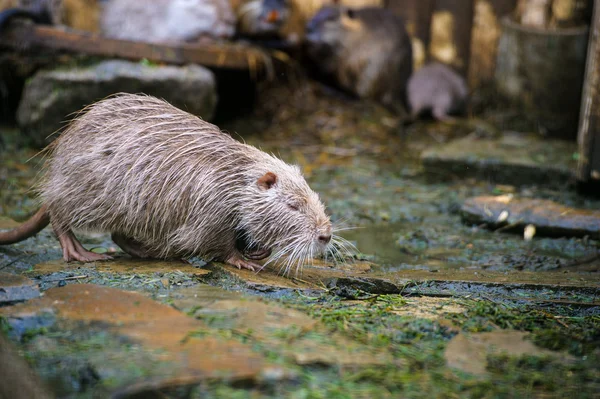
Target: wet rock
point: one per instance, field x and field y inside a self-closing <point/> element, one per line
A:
<point x="354" y="287"/>
<point x="313" y="277"/>
<point x="547" y="216"/>
<point x="446" y="282"/>
<point x="23" y="322"/>
<point x="18" y="380"/>
<point x="51" y="95"/>
<point x="8" y="223"/>
<point x="290" y="332"/>
<point x="429" y="308"/>
<point x="122" y="265"/>
<point x="195" y="356"/>
<point x="469" y="353"/>
<point x="15" y="288"/>
<point x="512" y="158"/>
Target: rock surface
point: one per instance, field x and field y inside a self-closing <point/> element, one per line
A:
<point x="51" y="96"/>
<point x="14" y="288"/>
<point x="286" y="331"/>
<point x="18" y="380"/>
<point x="179" y="339"/>
<point x="547" y="216"/>
<point x="470" y="352"/>
<point x="512" y="158"/>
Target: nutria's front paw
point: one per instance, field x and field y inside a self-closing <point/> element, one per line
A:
<point x="239" y="262"/>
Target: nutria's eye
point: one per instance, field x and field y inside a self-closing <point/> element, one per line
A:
<point x="350" y="13"/>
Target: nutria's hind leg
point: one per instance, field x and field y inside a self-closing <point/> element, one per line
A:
<point x="439" y="113"/>
<point x="73" y="250"/>
<point x="131" y="246"/>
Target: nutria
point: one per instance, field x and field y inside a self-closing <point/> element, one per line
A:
<point x="301" y="11"/>
<point x="167" y="184"/>
<point x="260" y="19"/>
<point x="438" y="89"/>
<point x="77" y="14"/>
<point x="366" y="50"/>
<point x="46" y="12"/>
<point x="167" y="20"/>
<point x="38" y="16"/>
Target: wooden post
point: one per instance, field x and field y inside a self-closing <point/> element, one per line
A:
<point x="417" y="15"/>
<point x="589" y="119"/>
<point x="485" y="35"/>
<point x="451" y="26"/>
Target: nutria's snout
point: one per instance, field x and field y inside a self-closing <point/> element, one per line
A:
<point x="324" y="234"/>
<point x="324" y="239"/>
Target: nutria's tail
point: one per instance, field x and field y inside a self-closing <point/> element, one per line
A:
<point x="31" y="227"/>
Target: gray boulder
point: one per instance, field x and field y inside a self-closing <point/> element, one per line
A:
<point x="51" y="96"/>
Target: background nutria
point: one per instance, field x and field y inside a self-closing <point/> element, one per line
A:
<point x="260" y="18"/>
<point x="76" y="14"/>
<point x="301" y="11"/>
<point x="366" y="50"/>
<point x="167" y="184"/>
<point x="39" y="11"/>
<point x="438" y="89"/>
<point x="167" y="20"/>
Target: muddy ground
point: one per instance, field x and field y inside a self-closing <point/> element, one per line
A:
<point x="430" y="306"/>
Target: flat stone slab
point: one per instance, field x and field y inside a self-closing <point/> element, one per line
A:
<point x="123" y="265"/>
<point x="310" y="277"/>
<point x="548" y="217"/>
<point x="156" y="327"/>
<point x="15" y="288"/>
<point x="549" y="287"/>
<point x="470" y="352"/>
<point x="52" y="95"/>
<point x="287" y="331"/>
<point x="512" y="158"/>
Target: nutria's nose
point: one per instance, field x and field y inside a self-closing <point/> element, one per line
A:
<point x="324" y="239"/>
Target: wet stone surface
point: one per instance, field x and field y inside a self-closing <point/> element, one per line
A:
<point x="384" y="323"/>
<point x="52" y="94"/>
<point x="511" y="158"/>
<point x="170" y="335"/>
<point x="15" y="288"/>
<point x="548" y="217"/>
<point x="470" y="352"/>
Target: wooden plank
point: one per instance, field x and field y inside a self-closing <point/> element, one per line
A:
<point x="32" y="38"/>
<point x="589" y="118"/>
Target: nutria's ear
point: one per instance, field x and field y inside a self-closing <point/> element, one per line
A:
<point x="267" y="181"/>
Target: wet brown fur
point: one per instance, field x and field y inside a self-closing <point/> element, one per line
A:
<point x="367" y="50"/>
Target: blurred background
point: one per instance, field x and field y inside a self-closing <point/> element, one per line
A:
<point x="459" y="142"/>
